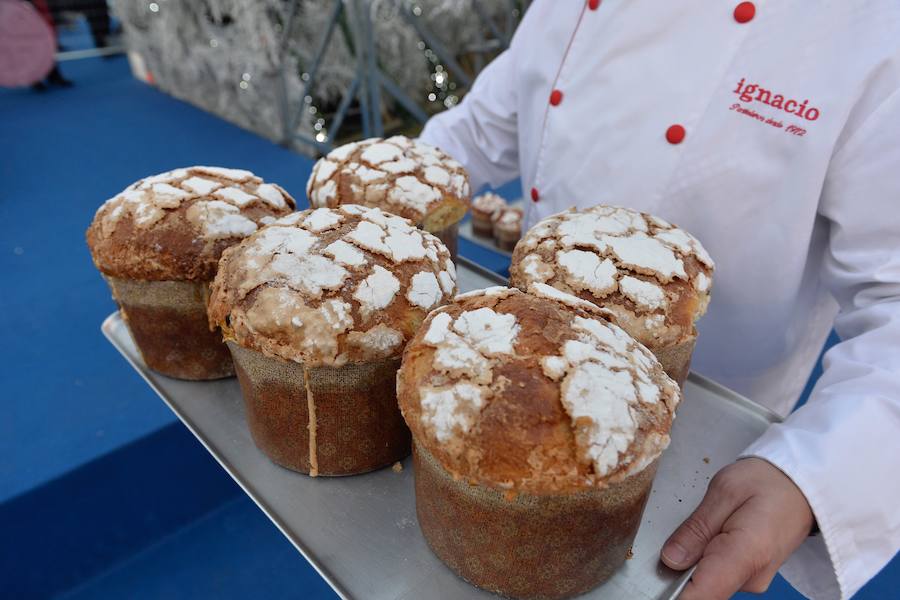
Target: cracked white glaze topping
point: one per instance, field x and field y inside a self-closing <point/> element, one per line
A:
<point x="611" y="388"/>
<point x="372" y="263"/>
<point x="633" y="263"/>
<point x="466" y="348"/>
<point x="218" y="198"/>
<point x="403" y="176"/>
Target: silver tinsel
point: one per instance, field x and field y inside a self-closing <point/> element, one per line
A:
<point x="226" y="56"/>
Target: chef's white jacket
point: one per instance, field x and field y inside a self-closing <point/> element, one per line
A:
<point x="771" y="131"/>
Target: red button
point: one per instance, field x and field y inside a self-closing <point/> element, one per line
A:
<point x="534" y="195"/>
<point x="593" y="4"/>
<point x="555" y="97"/>
<point x="745" y="11"/>
<point x="675" y="134"/>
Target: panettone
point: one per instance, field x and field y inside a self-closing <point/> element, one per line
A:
<point x="537" y="425"/>
<point x="507" y="225"/>
<point x="483" y="209"/>
<point x="398" y="175"/>
<point x="158" y="244"/>
<point x="317" y="309"/>
<point x="654" y="276"/>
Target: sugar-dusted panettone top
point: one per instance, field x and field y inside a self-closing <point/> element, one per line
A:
<point x="654" y="276"/>
<point x="401" y="176"/>
<point x="331" y="286"/>
<point x="487" y="204"/>
<point x="534" y="392"/>
<point x="508" y="220"/>
<point x="175" y="225"/>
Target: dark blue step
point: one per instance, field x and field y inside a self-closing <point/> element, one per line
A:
<point x="234" y="552"/>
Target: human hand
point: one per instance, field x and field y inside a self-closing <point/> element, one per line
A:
<point x="750" y="521"/>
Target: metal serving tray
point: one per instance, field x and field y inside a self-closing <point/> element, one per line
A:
<point x="360" y="533"/>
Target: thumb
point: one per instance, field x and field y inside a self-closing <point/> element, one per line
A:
<point x="685" y="546"/>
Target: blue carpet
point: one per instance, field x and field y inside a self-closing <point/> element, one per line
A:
<point x="70" y="397"/>
<point x="71" y="401"/>
<point x="232" y="554"/>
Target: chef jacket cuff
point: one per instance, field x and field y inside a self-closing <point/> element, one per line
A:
<point x="814" y="568"/>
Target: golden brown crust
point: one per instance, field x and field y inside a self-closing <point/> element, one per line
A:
<point x="331" y="286"/>
<point x="399" y="175"/>
<point x="526" y="392"/>
<point x="654" y="276"/>
<point x="175" y="225"/>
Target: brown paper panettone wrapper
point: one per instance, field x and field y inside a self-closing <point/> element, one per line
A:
<point x="450" y="236"/>
<point x="482" y="225"/>
<point x="531" y="546"/>
<point x="322" y="420"/>
<point x="506" y="239"/>
<point x="676" y="359"/>
<point x="168" y="322"/>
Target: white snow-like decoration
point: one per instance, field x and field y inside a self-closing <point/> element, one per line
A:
<point x="271" y="195"/>
<point x="311" y="274"/>
<point x="322" y="219"/>
<point x="381" y="152"/>
<point x="368" y="175"/>
<point x="380" y="340"/>
<point x="588" y="271"/>
<point x="238" y="175"/>
<point x="409" y="190"/>
<point x="424" y="290"/>
<point x="168" y="196"/>
<point x="323" y="194"/>
<point x="643" y="293"/>
<point x="388" y="235"/>
<point x="447" y="281"/>
<point x="490" y="332"/>
<point x="235" y="195"/>
<point x="219" y="219"/>
<point x="701" y="282"/>
<point x="535" y="268"/>
<point x="645" y="253"/>
<point x="437" y="175"/>
<point x="494" y="290"/>
<point x="345" y="254"/>
<point x="405" y="244"/>
<point x="377" y="291"/>
<point x="324" y="169"/>
<point x="543" y="290"/>
<point x="167" y="177"/>
<point x="201" y="186"/>
<point x="149" y="200"/>
<point x="451" y="410"/>
<point x="402" y="165"/>
<point x="598" y="400"/>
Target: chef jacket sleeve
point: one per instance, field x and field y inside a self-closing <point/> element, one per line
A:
<point x="482" y="132"/>
<point x="842" y="448"/>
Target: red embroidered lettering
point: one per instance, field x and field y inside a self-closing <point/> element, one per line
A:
<point x="753" y="92"/>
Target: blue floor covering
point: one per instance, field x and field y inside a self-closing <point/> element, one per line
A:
<point x="105" y="493"/>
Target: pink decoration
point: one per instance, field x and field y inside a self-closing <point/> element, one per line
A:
<point x="27" y="44"/>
